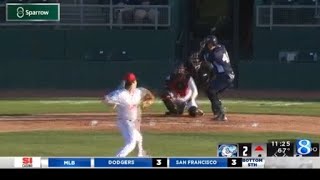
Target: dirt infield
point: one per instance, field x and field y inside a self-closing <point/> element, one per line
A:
<point x="159" y="123"/>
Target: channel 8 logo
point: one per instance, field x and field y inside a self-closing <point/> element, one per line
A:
<point x="303" y="147"/>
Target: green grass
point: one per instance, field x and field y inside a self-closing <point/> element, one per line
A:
<point x="74" y="105"/>
<point x="106" y="144"/>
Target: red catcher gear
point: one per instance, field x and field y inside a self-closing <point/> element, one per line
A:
<point x="178" y="84"/>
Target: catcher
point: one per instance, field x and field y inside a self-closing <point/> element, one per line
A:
<point x="181" y="93"/>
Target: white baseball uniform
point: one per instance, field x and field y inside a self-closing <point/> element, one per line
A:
<point x="128" y="111"/>
<point x="192" y="94"/>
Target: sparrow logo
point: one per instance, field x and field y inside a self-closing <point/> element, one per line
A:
<point x="20" y="12"/>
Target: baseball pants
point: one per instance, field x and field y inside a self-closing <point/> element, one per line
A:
<point x="132" y="137"/>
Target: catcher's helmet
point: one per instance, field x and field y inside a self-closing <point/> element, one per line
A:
<point x="212" y="39"/>
<point x="180" y="68"/>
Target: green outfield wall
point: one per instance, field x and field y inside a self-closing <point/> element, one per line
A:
<point x="268" y="75"/>
<point x="80" y="75"/>
<point x="83" y="58"/>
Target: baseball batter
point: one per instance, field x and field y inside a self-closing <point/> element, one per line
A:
<point x="128" y="101"/>
<point x="216" y="54"/>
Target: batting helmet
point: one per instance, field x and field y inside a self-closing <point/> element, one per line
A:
<point x="212" y="39"/>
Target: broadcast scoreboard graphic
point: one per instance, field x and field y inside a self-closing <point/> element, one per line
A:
<point x="300" y="153"/>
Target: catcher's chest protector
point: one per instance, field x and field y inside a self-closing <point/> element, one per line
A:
<point x="179" y="84"/>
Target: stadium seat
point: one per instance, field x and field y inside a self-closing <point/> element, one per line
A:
<point x="308" y="56"/>
<point x="288" y="56"/>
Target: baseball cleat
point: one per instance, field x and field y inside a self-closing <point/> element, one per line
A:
<point x="220" y="117"/>
<point x="224" y="118"/>
<point x="143" y="154"/>
<point x="200" y="112"/>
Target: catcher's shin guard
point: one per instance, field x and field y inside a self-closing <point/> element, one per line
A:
<point x="180" y="108"/>
<point x="167" y="100"/>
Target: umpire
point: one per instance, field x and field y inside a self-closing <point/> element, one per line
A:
<point x="215" y="56"/>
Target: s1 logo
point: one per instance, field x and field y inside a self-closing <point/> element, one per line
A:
<point x="27" y="162"/>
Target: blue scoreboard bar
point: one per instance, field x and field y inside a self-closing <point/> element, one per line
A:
<point x="110" y="162"/>
<point x="198" y="162"/>
<point x="69" y="162"/>
<point x="123" y="162"/>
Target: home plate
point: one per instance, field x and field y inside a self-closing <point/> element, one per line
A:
<point x="255" y="125"/>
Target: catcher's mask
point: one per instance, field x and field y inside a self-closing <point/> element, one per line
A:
<point x="181" y="69"/>
<point x="195" y="60"/>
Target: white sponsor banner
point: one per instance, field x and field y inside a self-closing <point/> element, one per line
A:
<point x="27" y="162"/>
<point x="293" y="162"/>
<point x="253" y="162"/>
